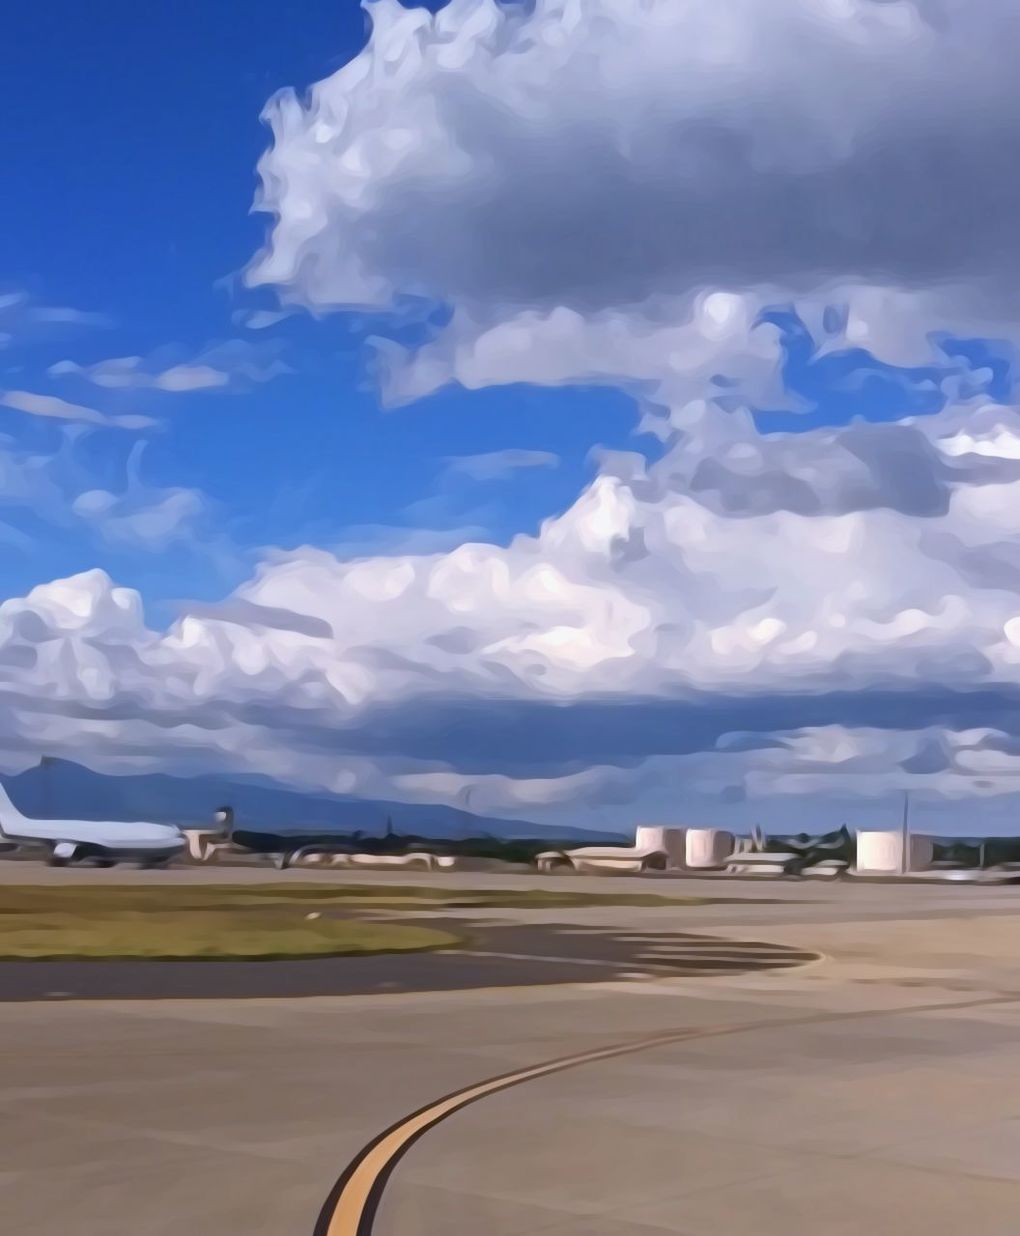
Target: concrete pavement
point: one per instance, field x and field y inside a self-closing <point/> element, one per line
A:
<point x="875" y="1091"/>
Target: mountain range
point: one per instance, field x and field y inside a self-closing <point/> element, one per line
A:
<point x="63" y="789"/>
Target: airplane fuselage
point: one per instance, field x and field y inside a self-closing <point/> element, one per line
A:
<point x="68" y="841"/>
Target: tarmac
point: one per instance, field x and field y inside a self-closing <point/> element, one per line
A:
<point x="872" y="1090"/>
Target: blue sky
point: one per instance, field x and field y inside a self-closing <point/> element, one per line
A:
<point x="135" y="158"/>
<point x="665" y="348"/>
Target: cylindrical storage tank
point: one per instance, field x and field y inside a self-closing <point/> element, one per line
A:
<point x="708" y="847"/>
<point x="670" y="841"/>
<point x="881" y="853"/>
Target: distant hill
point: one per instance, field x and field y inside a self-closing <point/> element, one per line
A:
<point x="65" y="789"/>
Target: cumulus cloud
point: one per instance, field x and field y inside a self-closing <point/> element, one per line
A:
<point x="618" y="652"/>
<point x="614" y="191"/>
<point x="597" y="190"/>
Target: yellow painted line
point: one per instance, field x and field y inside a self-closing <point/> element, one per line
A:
<point x="351" y="1207"/>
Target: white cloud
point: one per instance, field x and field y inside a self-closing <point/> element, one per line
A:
<point x="612" y="191"/>
<point x="496" y="465"/>
<point x="607" y="191"/>
<point x="224" y="365"/>
<point x="51" y="495"/>
<point x="26" y="479"/>
<point x="20" y="314"/>
<point x="126" y="373"/>
<point x="190" y="378"/>
<point x="150" y="519"/>
<point x="62" y="316"/>
<point x="824" y="594"/>
<point x="50" y="406"/>
<point x="260" y="319"/>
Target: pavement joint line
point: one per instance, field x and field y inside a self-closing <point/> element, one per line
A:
<point x="353" y="1203"/>
<point x="565" y="961"/>
<point x="778" y="957"/>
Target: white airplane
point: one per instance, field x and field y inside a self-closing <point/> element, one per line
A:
<point x="103" y="842"/>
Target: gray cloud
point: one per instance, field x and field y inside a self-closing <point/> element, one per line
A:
<point x="912" y="467"/>
<point x="621" y="164"/>
<point x="617" y="197"/>
<point x="247" y="614"/>
<point x="650" y="621"/>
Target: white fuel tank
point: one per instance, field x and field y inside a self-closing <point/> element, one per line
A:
<point x="881" y="853"/>
<point x="708" y="847"/>
<point x="670" y="841"/>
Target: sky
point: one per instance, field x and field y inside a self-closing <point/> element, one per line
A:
<point x="573" y="410"/>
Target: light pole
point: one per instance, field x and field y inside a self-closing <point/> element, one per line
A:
<point x="905" y="851"/>
<point x="44" y="764"/>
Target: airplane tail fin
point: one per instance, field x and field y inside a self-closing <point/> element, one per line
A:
<point x="223" y="817"/>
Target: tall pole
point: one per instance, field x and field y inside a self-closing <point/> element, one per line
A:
<point x="905" y="852"/>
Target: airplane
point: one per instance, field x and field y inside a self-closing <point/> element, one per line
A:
<point x="104" y="843"/>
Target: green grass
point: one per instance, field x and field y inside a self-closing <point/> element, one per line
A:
<point x="267" y="920"/>
<point x="272" y="932"/>
<point x="70" y="899"/>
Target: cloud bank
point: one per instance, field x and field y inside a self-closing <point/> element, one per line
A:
<point x="604" y="191"/>
<point x="753" y="630"/>
<point x="614" y="191"/>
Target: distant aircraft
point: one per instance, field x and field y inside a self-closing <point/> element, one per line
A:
<point x="837" y="846"/>
<point x="101" y="842"/>
<point x="280" y="849"/>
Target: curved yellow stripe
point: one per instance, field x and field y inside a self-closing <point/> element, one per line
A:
<point x="351" y="1207"/>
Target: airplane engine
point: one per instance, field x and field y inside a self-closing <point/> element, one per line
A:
<point x="64" y="852"/>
